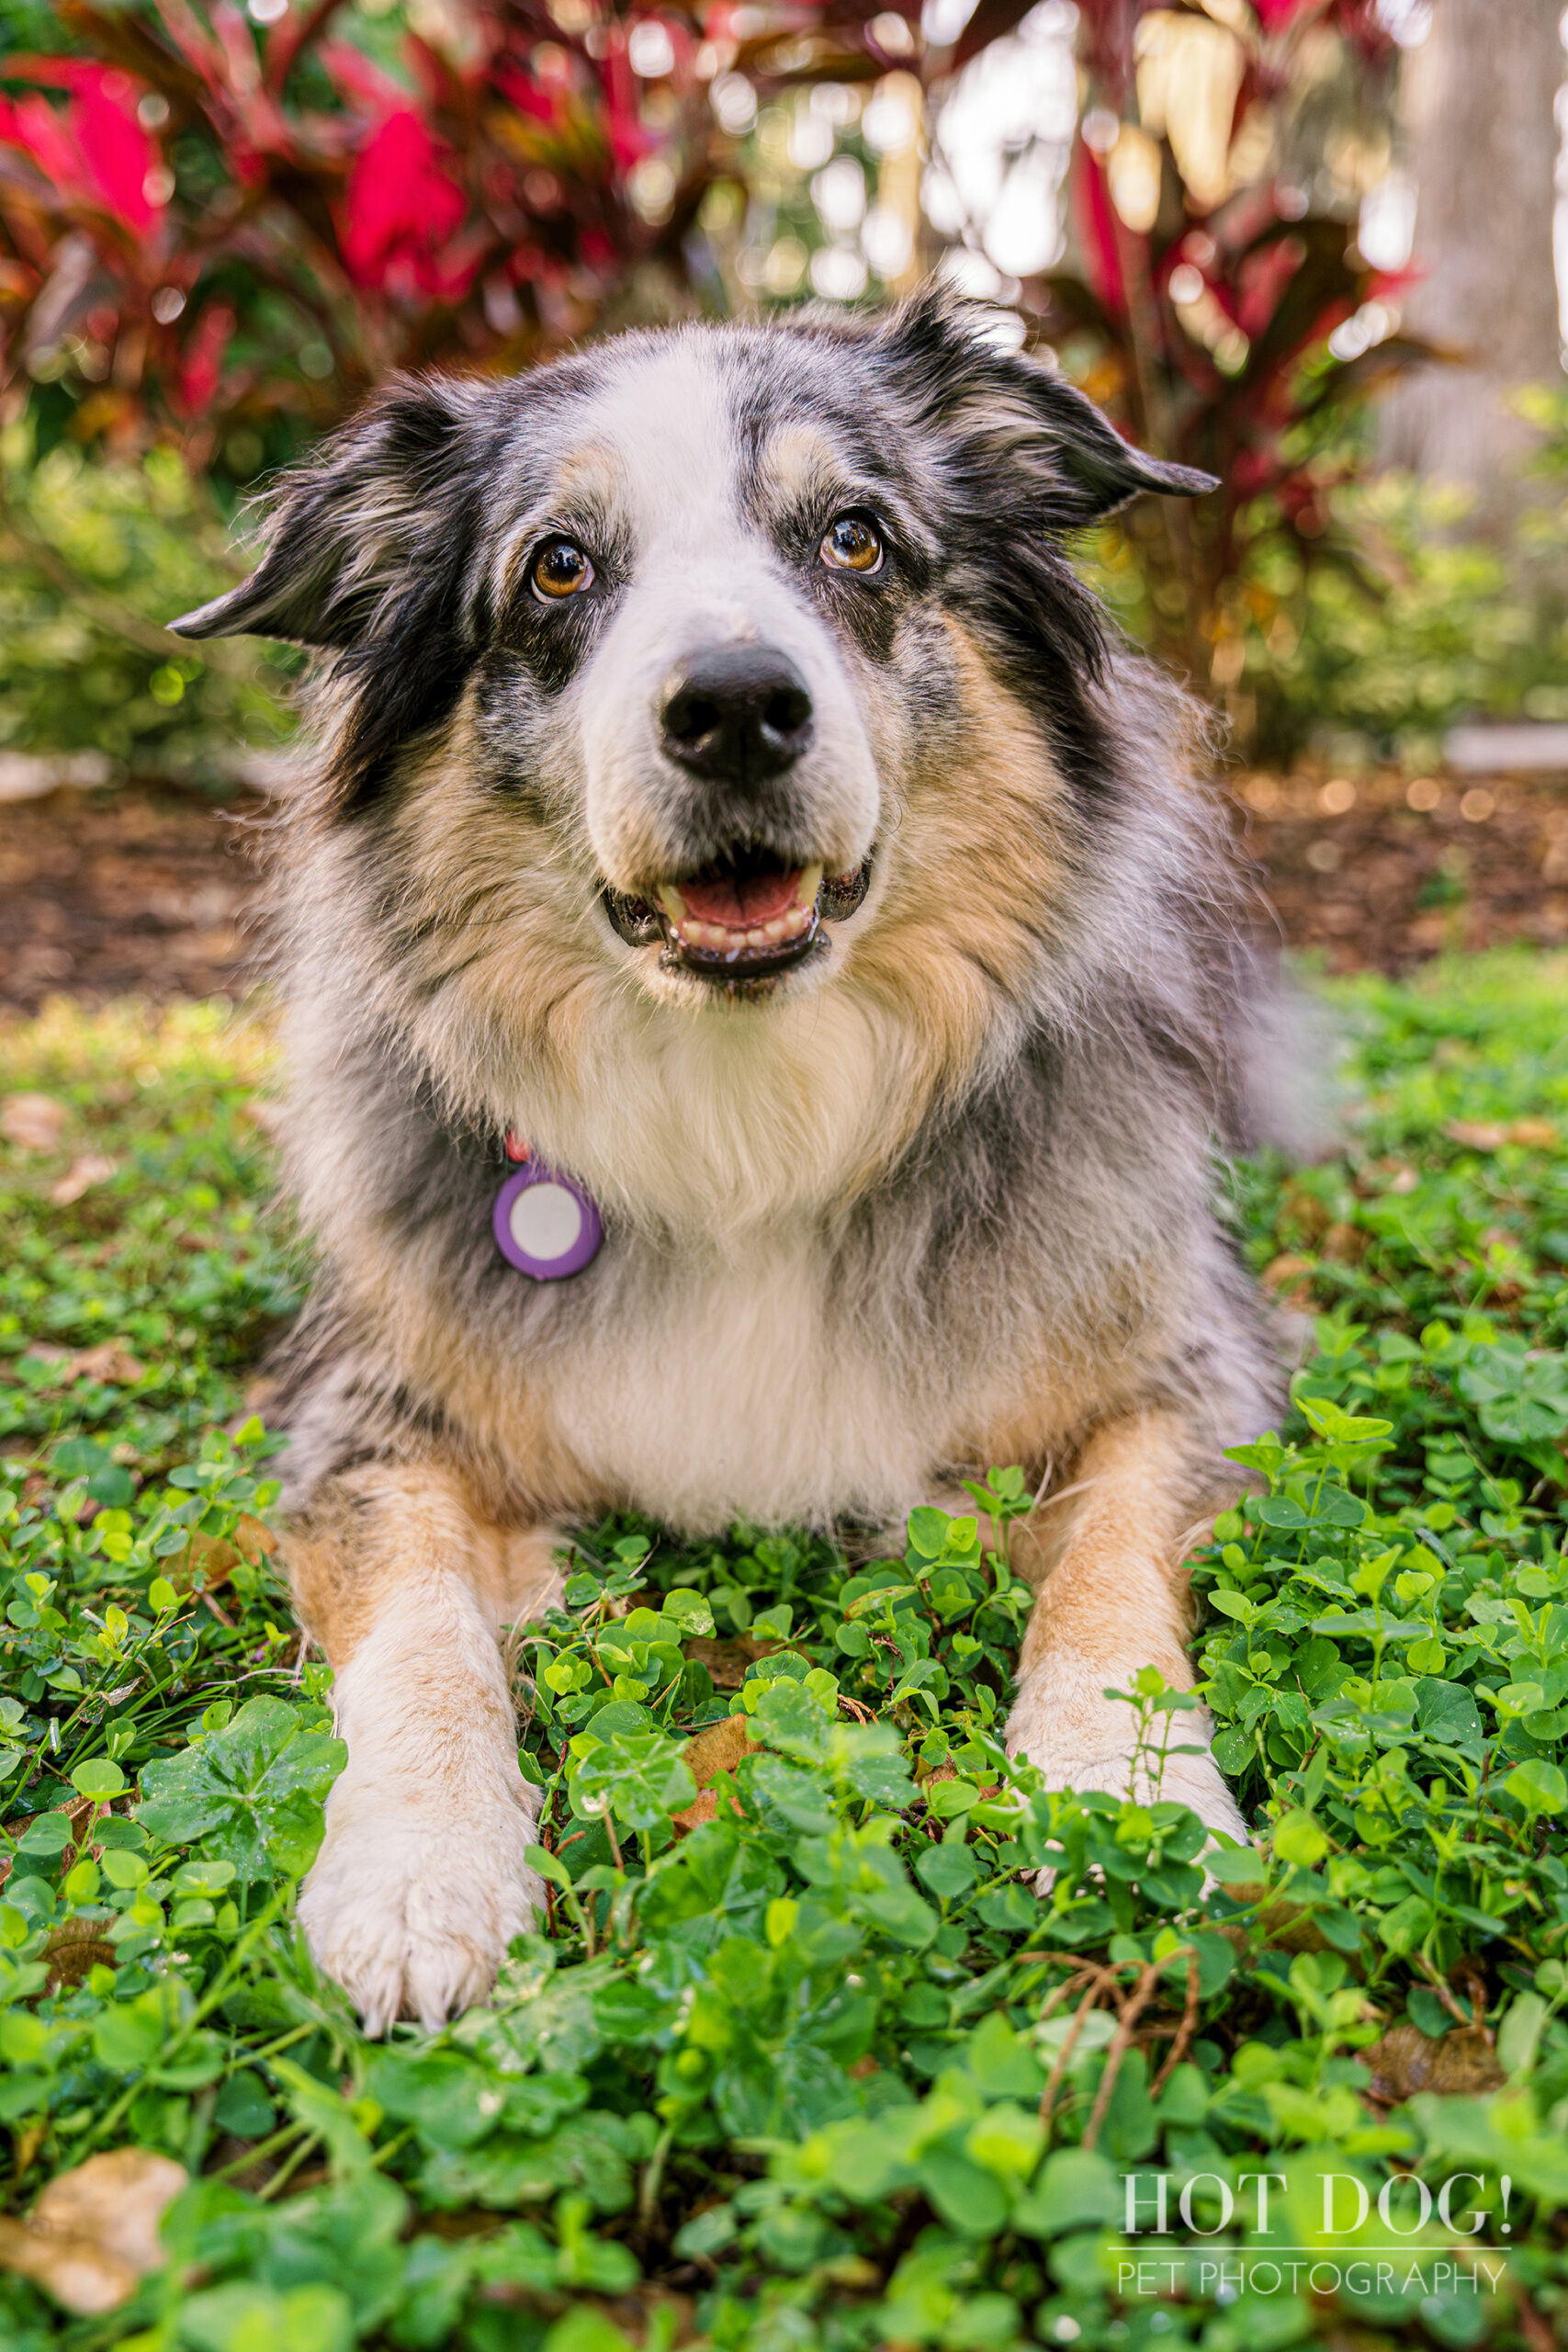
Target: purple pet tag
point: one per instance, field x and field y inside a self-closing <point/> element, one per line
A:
<point x="544" y="1224"/>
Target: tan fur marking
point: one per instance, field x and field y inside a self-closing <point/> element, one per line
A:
<point x="800" y="460"/>
<point x="971" y="857"/>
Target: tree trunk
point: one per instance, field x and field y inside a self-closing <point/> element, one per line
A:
<point x="1478" y="100"/>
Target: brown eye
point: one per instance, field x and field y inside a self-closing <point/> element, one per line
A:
<point x="560" y="570"/>
<point x="853" y="544"/>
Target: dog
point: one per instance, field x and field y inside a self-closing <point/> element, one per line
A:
<point x="725" y="791"/>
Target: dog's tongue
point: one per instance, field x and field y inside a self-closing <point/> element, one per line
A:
<point x="738" y="900"/>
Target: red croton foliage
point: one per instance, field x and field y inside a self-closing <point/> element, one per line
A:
<point x="225" y="230"/>
<point x="210" y="223"/>
<point x="1210" y="270"/>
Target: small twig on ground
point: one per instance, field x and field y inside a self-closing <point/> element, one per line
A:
<point x="1184" y="2031"/>
<point x="1533" y="2325"/>
<point x="1142" y="1994"/>
<point x="1064" y="1991"/>
<point x="1101" y="1979"/>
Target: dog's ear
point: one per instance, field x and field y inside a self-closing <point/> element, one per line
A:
<point x="372" y="518"/>
<point x="1099" y="471"/>
<point x="1017" y="406"/>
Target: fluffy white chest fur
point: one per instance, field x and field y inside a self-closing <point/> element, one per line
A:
<point x="734" y="1402"/>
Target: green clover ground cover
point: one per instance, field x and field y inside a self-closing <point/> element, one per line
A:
<point x="822" y="2067"/>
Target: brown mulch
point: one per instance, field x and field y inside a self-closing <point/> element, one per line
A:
<point x="146" y="892"/>
<point x="153" y="892"/>
<point x="1411" y="866"/>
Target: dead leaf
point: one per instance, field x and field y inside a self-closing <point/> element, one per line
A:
<point x="32" y="1121"/>
<point x="93" y="2235"/>
<point x="1287" y="1926"/>
<point x="1305" y="1209"/>
<point x="706" y="1755"/>
<point x="89" y="1168"/>
<point x="112" y="1361"/>
<point x="81" y="1811"/>
<point x="205" y="1556"/>
<point x="1282" y="1272"/>
<point x="717" y="1749"/>
<point x="1477" y="1135"/>
<point x="726" y="1661"/>
<point x="79" y="1944"/>
<point x="253" y="1541"/>
<point x="1538" y="1134"/>
<point x="703" y="1807"/>
<point x="1407" y="2061"/>
<point x="1345" y="1244"/>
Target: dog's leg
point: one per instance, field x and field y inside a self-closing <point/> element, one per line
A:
<point x="422" y="1878"/>
<point x="1105" y="1563"/>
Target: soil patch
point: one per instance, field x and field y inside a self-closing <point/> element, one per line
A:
<point x="1384" y="871"/>
<point x="148" y="892"/>
<point x="155" y="893"/>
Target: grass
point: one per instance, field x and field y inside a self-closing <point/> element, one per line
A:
<point x="822" y="2068"/>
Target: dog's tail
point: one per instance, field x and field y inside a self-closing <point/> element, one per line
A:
<point x="1286" y="1050"/>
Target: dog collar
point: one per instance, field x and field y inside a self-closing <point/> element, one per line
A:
<point x="545" y="1225"/>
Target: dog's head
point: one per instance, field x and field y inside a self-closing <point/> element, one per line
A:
<point x="701" y="602"/>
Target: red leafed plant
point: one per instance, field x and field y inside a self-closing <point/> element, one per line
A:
<point x="229" y="231"/>
<point x="1208" y="269"/>
<point x="222" y="232"/>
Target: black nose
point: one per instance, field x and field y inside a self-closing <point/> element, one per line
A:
<point x="738" y="714"/>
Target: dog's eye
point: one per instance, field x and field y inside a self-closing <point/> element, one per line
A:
<point x="853" y="544"/>
<point x="560" y="570"/>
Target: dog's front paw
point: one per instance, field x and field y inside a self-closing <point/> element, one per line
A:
<point x="1194" y="1780"/>
<point x="412" y="1910"/>
<point x="1083" y="1746"/>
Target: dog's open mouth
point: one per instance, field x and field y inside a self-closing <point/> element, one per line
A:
<point x="743" y="917"/>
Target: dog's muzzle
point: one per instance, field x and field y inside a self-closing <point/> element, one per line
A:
<point x="736" y="719"/>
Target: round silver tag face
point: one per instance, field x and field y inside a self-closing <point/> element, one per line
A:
<point x="546" y="1221"/>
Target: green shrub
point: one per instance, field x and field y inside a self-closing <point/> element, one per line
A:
<point x="96" y="556"/>
<point x="1371" y="641"/>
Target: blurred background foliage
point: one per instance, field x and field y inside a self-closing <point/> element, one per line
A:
<point x="95" y="553"/>
<point x="219" y="228"/>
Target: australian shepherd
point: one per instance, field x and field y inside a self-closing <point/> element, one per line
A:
<point x="765" y="994"/>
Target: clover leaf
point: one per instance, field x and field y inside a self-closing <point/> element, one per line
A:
<point x="251" y="1794"/>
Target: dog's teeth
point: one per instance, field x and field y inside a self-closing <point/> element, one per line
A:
<point x="733" y="941"/>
